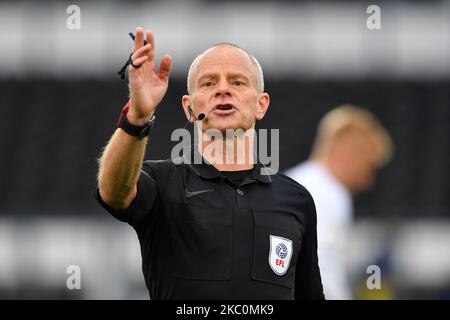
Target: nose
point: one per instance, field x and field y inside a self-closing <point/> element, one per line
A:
<point x="223" y="89"/>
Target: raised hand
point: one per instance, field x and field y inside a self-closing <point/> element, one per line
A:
<point x="147" y="87"/>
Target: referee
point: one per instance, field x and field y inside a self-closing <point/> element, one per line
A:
<point x="219" y="228"/>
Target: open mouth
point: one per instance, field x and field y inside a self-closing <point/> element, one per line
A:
<point x="224" y="109"/>
<point x="226" y="106"/>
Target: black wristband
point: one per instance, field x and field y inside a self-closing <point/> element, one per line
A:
<point x="137" y="131"/>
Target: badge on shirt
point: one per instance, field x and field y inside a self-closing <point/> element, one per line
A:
<point x="280" y="254"/>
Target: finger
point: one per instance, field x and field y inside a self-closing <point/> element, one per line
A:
<point x="139" y="39"/>
<point x="151" y="41"/>
<point x="141" y="51"/>
<point x="139" y="61"/>
<point x="164" y="68"/>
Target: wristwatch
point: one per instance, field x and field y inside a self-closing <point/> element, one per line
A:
<point x="137" y="131"/>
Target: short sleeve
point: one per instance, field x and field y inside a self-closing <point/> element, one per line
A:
<point x="143" y="205"/>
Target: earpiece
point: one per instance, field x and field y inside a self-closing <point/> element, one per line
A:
<point x="200" y="117"/>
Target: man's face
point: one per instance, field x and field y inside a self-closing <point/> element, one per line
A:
<point x="224" y="87"/>
<point x="364" y="169"/>
<point x="359" y="161"/>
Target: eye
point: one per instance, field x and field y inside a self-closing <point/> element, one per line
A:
<point x="238" y="83"/>
<point x="207" y="84"/>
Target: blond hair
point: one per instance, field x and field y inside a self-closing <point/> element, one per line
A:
<point x="346" y="117"/>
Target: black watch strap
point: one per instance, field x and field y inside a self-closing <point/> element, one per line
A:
<point x="137" y="131"/>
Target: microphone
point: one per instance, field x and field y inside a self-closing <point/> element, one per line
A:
<point x="200" y="117"/>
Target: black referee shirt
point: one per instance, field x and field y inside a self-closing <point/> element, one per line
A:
<point x="204" y="237"/>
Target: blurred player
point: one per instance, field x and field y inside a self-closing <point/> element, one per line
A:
<point x="350" y="146"/>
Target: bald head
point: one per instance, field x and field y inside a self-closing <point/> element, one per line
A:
<point x="226" y="53"/>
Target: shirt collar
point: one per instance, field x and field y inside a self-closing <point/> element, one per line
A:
<point x="208" y="171"/>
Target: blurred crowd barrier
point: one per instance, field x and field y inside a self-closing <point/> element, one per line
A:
<point x="290" y="38"/>
<point x="35" y="253"/>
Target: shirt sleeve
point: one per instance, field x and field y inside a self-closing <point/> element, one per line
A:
<point x="308" y="283"/>
<point x="144" y="204"/>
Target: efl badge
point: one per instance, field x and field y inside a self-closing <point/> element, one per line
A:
<point x="280" y="254"/>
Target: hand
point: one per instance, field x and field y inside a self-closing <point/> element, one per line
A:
<point x="147" y="88"/>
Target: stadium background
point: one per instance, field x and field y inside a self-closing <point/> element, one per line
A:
<point x="60" y="99"/>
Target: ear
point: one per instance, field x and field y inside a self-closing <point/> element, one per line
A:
<point x="186" y="101"/>
<point x="263" y="105"/>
